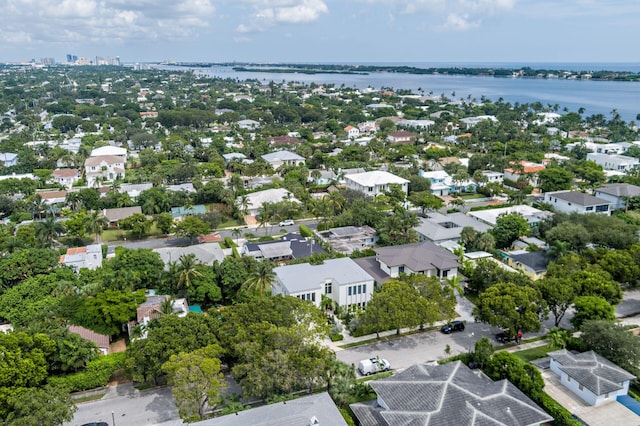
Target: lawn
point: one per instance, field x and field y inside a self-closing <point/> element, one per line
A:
<point x="472" y="196"/>
<point x="529" y="355"/>
<point x="111" y="235"/>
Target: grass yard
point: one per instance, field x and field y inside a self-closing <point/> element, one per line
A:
<point x="529" y="355"/>
<point x="111" y="235"/>
<point x="472" y="196"/>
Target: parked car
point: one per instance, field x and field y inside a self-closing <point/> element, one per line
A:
<point x="452" y="326"/>
<point x="373" y="366"/>
<point x="287" y="222"/>
<point x="506" y="336"/>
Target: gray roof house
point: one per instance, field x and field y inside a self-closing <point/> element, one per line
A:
<point x="116" y="215"/>
<point x="591" y="377"/>
<point x="437" y="227"/>
<point x="426" y="258"/>
<point x="339" y="279"/>
<point x="312" y="410"/>
<point x="283" y="158"/>
<point x="617" y="193"/>
<point x="577" y="202"/>
<point x="206" y="253"/>
<point x="289" y="246"/>
<point x="447" y="395"/>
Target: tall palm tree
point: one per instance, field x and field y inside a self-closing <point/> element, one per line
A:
<point x="74" y="201"/>
<point x="166" y="306"/>
<point x="48" y="229"/>
<point x="336" y="201"/>
<point x="261" y="279"/>
<point x="187" y="270"/>
<point x="94" y="224"/>
<point x="236" y="232"/>
<point x="37" y="206"/>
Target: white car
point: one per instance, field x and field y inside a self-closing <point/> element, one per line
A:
<point x="287" y="222"/>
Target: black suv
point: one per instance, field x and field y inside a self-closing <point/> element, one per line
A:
<point x="452" y="326"/>
<point x="506" y="336"/>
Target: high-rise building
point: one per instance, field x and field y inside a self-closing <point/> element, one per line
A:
<point x="47" y="61"/>
<point x="71" y="58"/>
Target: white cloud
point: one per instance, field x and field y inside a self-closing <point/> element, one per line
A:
<point x="268" y="13"/>
<point x="459" y="23"/>
<point x="102" y="21"/>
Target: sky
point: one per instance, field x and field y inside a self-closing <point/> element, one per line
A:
<point x="323" y="31"/>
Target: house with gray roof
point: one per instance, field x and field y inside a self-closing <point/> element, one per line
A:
<point x="114" y="216"/>
<point x="532" y="263"/>
<point x="593" y="378"/>
<point x="577" y="202"/>
<point x="438" y="228"/>
<point x="206" y="253"/>
<point x="617" y="194"/>
<point x="339" y="279"/>
<point x="289" y="246"/>
<point x="311" y="410"/>
<point x="447" y="395"/>
<point x="419" y="258"/>
<point x="283" y="158"/>
<point x="347" y="239"/>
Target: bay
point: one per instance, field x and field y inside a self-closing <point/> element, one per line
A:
<point x="596" y="97"/>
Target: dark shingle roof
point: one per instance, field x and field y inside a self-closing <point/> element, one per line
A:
<point x="592" y="371"/>
<point x="418" y="257"/>
<point x="579" y="198"/>
<point x="536" y="260"/>
<point x="620" y="190"/>
<point x="447" y="395"/>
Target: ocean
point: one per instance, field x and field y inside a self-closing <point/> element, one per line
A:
<point x="596" y="97"/>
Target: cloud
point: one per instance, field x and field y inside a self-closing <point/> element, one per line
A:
<point x="459" y="23"/>
<point x="268" y="13"/>
<point x="102" y="21"/>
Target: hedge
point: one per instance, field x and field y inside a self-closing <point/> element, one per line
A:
<point x="96" y="374"/>
<point x="561" y="416"/>
<point x="305" y="231"/>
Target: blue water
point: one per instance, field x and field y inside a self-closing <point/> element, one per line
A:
<point x="597" y="97"/>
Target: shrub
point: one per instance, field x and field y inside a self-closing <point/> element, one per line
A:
<point x="228" y="242"/>
<point x="305" y="231"/>
<point x="336" y="337"/>
<point x="561" y="416"/>
<point x="97" y="373"/>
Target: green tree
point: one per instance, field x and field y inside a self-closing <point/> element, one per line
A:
<point x="525" y="376"/>
<point x="196" y="380"/>
<point x="261" y="279"/>
<point x="509" y="228"/>
<point x="507" y="305"/>
<point x="591" y="308"/>
<point x="107" y="311"/>
<point x="558" y="293"/>
<point x="482" y="352"/>
<point x="134" y="268"/>
<point x="188" y="269"/>
<point x="614" y="342"/>
<point x="49" y="405"/>
<point x="94" y="223"/>
<point x="426" y="201"/>
<point x="164" y="222"/>
<point x="137" y="224"/>
<point x="48" y="229"/>
<point x="191" y="227"/>
<point x="555" y="179"/>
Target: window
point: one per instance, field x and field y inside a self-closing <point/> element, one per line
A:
<point x="401" y="269"/>
<point x="445" y="273"/>
<point x="327" y="287"/>
<point x="604" y="208"/>
<point x="580" y="386"/>
<point x="350" y="290"/>
<point x="364" y="289"/>
<point x="590" y="208"/>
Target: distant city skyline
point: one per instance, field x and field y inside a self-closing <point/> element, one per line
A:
<point x="464" y="31"/>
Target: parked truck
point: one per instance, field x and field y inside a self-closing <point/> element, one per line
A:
<point x="366" y="367"/>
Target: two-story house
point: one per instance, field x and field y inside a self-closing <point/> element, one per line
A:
<point x="419" y="258"/>
<point x="443" y="184"/>
<point x="342" y="280"/>
<point x="104" y="168"/>
<point x="352" y="132"/>
<point x="621" y="163"/>
<point x="617" y="194"/>
<point x="577" y="202"/>
<point x="375" y="183"/>
<point x="66" y="177"/>
<point x="280" y="159"/>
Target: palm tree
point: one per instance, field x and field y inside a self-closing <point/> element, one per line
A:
<point x="558" y="249"/>
<point x="336" y="201"/>
<point x="74" y="201"/>
<point x="187" y="270"/>
<point x="266" y="215"/>
<point x="261" y="279"/>
<point x="48" y="229"/>
<point x="166" y="306"/>
<point x="236" y="233"/>
<point x="37" y="206"/>
<point x="94" y="224"/>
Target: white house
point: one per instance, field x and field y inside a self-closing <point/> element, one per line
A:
<point x="89" y="257"/>
<point x="255" y="200"/>
<point x="527" y="169"/>
<point x="617" y="194"/>
<point x="375" y="183"/>
<point x="109" y="150"/>
<point x="472" y="121"/>
<point x="341" y="279"/>
<point x="419" y="258"/>
<point x="248" y="124"/>
<point x="283" y="158"/>
<point x="578" y="202"/>
<point x="531" y="214"/>
<point x="617" y="162"/>
<point x="8" y="159"/>
<point x="104" y="167"/>
<point x="66" y="177"/>
<point x="591" y="377"/>
<point x="442" y="183"/>
<point x="352" y="132"/>
<point x="493" y="177"/>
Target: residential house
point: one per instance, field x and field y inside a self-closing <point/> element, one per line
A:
<point x="416" y="124"/>
<point x="531" y="214"/>
<point x="531" y="263"/>
<point x="418" y="258"/>
<point x="347" y="239"/>
<point x="283" y="141"/>
<point x="186" y="187"/>
<point x="525" y="168"/>
<point x="238" y="156"/>
<point x="447" y="394"/>
<point x="493" y="177"/>
<point x="288" y="246"/>
<point x="340" y="279"/>
<point x="104" y="168"/>
<point x="591" y="377"/>
<point x="472" y="121"/>
<point x="375" y="183"/>
<point x="311" y="410"/>
<point x="102" y="341"/>
<point x="8" y="159"/>
<point x="248" y="124"/>
<point x="255" y="200"/>
<point x="367" y="127"/>
<point x="325" y="177"/>
<point x="617" y="194"/>
<point x="151" y="309"/>
<point x="109" y="150"/>
<point x="621" y="163"/>
<point x="66" y="177"/>
<point x="600" y="148"/>
<point x="89" y="257"/>
<point x="442" y="184"/>
<point x="53" y="197"/>
<point x="206" y="253"/>
<point x="401" y="137"/>
<point x="279" y="159"/>
<point x="352" y="132"/>
<point x="133" y="190"/>
<point x="114" y="216"/>
<point x="577" y="202"/>
<point x="437" y="228"/>
<point x="179" y="213"/>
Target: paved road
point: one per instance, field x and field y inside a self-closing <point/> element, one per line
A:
<point x="130" y="407"/>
